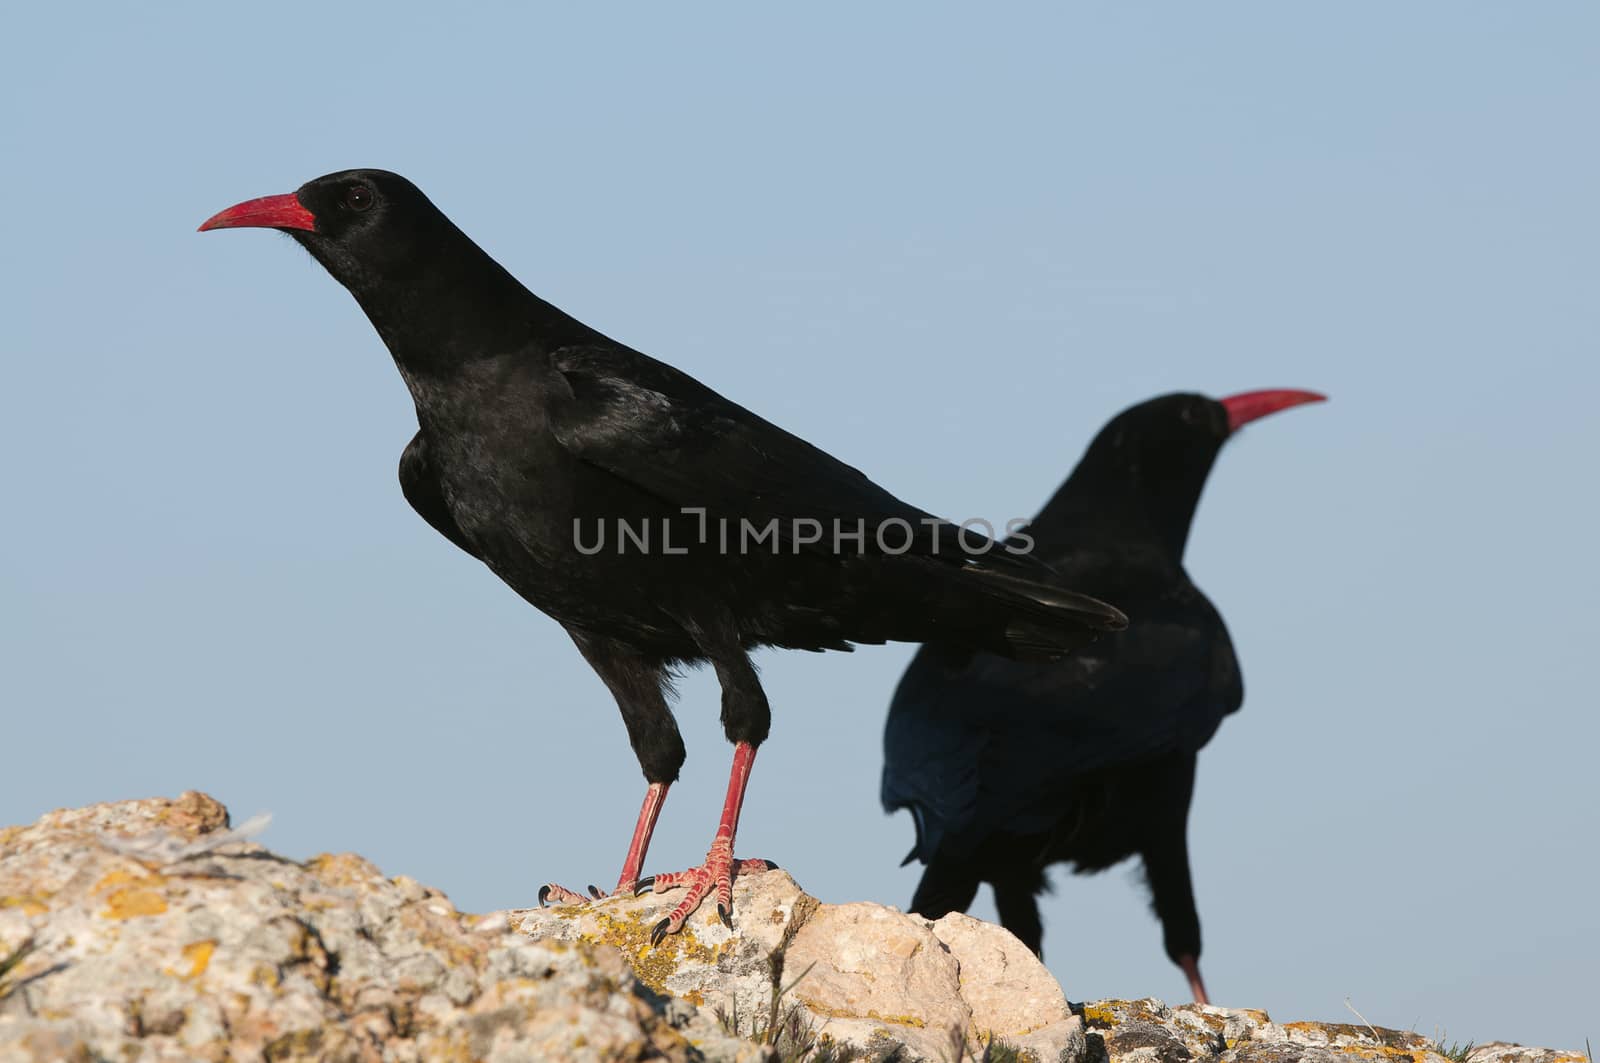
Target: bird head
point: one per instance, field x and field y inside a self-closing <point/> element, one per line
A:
<point x="433" y="295"/>
<point x="1165" y="442"/>
<point x="1148" y="465"/>
<point x="364" y="226"/>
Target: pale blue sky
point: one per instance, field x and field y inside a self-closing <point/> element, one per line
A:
<point x="943" y="243"/>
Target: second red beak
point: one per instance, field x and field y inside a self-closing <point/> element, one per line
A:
<point x="1250" y="406"/>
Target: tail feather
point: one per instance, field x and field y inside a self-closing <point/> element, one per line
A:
<point x="1024" y="616"/>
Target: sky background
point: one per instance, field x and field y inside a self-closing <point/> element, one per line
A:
<point x="944" y="244"/>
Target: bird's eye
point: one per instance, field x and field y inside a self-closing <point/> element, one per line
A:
<point x="358" y="197"/>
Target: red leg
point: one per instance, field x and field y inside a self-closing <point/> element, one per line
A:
<point x="1191" y="970"/>
<point x="720" y="867"/>
<point x="649" y="812"/>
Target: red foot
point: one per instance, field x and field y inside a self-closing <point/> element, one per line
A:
<point x="717" y="873"/>
<point x="556" y="894"/>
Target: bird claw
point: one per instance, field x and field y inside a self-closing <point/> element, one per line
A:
<point x="561" y="895"/>
<point x="714" y="877"/>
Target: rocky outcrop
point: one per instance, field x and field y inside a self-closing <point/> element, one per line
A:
<point x="1147" y="1031"/>
<point x="150" y="930"/>
<point x="146" y="930"/>
<point x="857" y="975"/>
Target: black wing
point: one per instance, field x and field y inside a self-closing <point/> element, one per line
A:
<point x="986" y="744"/>
<point x="672" y="437"/>
<point x="420" y="484"/>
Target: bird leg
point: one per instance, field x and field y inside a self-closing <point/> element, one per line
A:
<point x="649" y="812"/>
<point x="718" y="872"/>
<point x="1191" y="970"/>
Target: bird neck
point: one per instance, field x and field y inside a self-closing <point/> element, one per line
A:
<point x="440" y="303"/>
<point x="1120" y="511"/>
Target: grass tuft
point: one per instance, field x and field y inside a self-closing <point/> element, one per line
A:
<point x="1454" y="1050"/>
<point x="788" y="1029"/>
<point x="13" y="959"/>
<point x="994" y="1050"/>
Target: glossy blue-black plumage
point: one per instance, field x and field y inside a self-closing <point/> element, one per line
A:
<point x="1009" y="767"/>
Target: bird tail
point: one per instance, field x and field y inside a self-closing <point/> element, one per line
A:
<point x="1018" y="611"/>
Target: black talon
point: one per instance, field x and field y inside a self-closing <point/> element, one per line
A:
<point x="726" y="916"/>
<point x="772" y="865"/>
<point x="644" y="885"/>
<point x="660" y="932"/>
<point x="544" y="894"/>
<point x="594" y="891"/>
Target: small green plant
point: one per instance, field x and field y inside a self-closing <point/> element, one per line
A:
<point x="1454" y="1050"/>
<point x="12" y="960"/>
<point x="787" y="1028"/>
<point x="994" y="1050"/>
<point x="998" y="1051"/>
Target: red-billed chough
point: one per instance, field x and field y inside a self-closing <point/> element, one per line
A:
<point x="658" y="522"/>
<point x="1009" y="767"/>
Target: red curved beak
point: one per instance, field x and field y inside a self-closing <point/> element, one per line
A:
<point x="268" y="212"/>
<point x="1250" y="406"/>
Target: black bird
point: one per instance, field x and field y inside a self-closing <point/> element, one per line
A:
<point x="1009" y="767"/>
<point x="658" y="522"/>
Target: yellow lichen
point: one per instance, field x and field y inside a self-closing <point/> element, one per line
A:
<point x="30" y="903"/>
<point x="1376" y="1052"/>
<point x="846" y="1013"/>
<point x="122" y="877"/>
<point x="198" y="953"/>
<point x="1097" y="1016"/>
<point x="131" y="902"/>
<point x="898" y="1020"/>
<point x="652" y="964"/>
<point x="344" y="869"/>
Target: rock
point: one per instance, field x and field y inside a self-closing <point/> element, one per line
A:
<point x="149" y="930"/>
<point x="110" y="948"/>
<point x="858" y="975"/>
<point x="1147" y="1031"/>
<point x="1502" y="1052"/>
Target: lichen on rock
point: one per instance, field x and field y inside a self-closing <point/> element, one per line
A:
<point x="235" y="953"/>
<point x="151" y="930"/>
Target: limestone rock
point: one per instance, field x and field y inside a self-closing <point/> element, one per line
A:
<point x="857" y="975"/>
<point x="1502" y="1052"/>
<point x="124" y="933"/>
<point x="1147" y="1031"/>
<point x="149" y="930"/>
